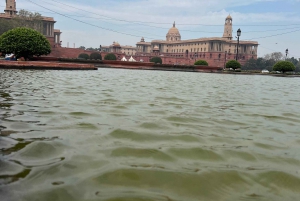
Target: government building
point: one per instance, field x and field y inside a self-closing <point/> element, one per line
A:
<point x="173" y="50"/>
<point x="53" y="35"/>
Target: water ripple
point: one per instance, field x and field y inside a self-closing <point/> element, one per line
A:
<point x="120" y="135"/>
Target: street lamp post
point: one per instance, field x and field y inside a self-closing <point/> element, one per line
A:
<point x="286" y="53"/>
<point x="225" y="60"/>
<point x="238" y="37"/>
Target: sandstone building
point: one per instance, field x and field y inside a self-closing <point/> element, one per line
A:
<point x="174" y="50"/>
<point x="53" y="35"/>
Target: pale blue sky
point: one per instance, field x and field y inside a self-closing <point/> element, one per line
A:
<point x="258" y="20"/>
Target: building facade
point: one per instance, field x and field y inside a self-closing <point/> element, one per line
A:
<point x="53" y="35"/>
<point x="173" y="50"/>
<point x="211" y="49"/>
<point x="117" y="48"/>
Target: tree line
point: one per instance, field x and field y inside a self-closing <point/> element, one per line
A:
<point x="268" y="61"/>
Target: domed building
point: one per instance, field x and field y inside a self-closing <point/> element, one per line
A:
<point x="117" y="48"/>
<point x="213" y="49"/>
<point x="173" y="34"/>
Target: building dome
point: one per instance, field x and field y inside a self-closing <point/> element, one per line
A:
<point x="173" y="34"/>
<point x="229" y="17"/>
<point x="116" y="44"/>
<point x="156" y="47"/>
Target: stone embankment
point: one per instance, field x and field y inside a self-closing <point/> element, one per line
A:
<point x="38" y="65"/>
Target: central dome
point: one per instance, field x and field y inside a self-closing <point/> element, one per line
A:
<point x="173" y="34"/>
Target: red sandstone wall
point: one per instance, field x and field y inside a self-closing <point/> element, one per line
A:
<point x="216" y="59"/>
<point x="64" y="52"/>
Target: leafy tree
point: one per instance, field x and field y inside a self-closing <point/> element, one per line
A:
<point x="293" y="60"/>
<point x="297" y="67"/>
<point x="30" y="20"/>
<point x="261" y="63"/>
<point x="82" y="47"/>
<point x="5" y="26"/>
<point x="24" y="42"/>
<point x="201" y="63"/>
<point x="233" y="64"/>
<point x="156" y="60"/>
<point x="269" y="64"/>
<point x="110" y="57"/>
<point x="284" y="66"/>
<point x="83" y="56"/>
<point x="93" y="49"/>
<point x="96" y="56"/>
<point x="251" y="64"/>
<point x="276" y="56"/>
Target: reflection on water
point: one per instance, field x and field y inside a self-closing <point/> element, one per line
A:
<point x="122" y="135"/>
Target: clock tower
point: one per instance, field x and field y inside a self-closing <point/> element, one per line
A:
<point x="11" y="8"/>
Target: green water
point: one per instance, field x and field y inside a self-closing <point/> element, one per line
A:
<point x="123" y="135"/>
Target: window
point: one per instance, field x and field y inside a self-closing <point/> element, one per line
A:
<point x="210" y="56"/>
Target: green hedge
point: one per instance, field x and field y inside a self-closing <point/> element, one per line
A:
<point x="96" y="56"/>
<point x="233" y="64"/>
<point x="83" y="56"/>
<point x="111" y="57"/>
<point x="201" y="63"/>
<point x="156" y="60"/>
<point x="284" y="66"/>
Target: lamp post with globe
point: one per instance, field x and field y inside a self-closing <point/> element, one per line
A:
<point x="238" y="39"/>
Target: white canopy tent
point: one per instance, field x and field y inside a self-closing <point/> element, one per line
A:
<point x="132" y="59"/>
<point x="124" y="59"/>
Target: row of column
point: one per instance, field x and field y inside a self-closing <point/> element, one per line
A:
<point x="57" y="37"/>
<point x="49" y="29"/>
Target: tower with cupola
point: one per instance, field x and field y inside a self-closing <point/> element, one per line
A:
<point x="11" y="8"/>
<point x="228" y="28"/>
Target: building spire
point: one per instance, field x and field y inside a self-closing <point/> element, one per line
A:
<point x="174" y="24"/>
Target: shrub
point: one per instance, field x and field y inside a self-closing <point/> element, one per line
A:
<point x="284" y="66"/>
<point x="233" y="64"/>
<point x="156" y="60"/>
<point x="110" y="57"/>
<point x="96" y="56"/>
<point x="83" y="56"/>
<point x="24" y="42"/>
<point x="201" y="63"/>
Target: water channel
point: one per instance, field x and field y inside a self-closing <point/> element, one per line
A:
<point x="128" y="135"/>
